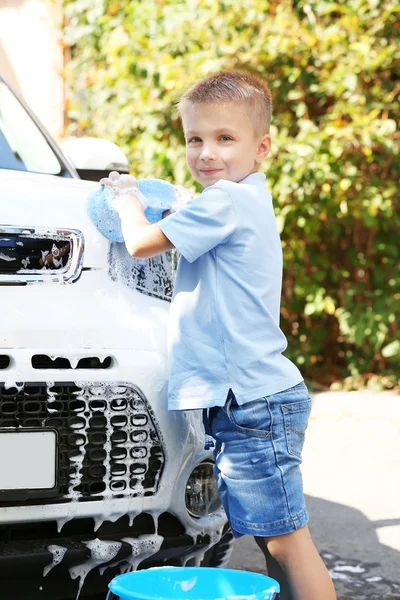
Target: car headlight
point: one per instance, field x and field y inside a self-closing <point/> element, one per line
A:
<point x="201" y="491"/>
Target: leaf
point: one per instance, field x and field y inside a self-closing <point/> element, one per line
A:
<point x="391" y="350"/>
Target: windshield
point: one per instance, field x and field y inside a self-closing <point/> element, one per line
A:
<point x="23" y="147"/>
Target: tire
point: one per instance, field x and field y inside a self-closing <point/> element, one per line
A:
<point x="219" y="555"/>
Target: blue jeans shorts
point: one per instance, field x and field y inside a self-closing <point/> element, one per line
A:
<point x="257" y="455"/>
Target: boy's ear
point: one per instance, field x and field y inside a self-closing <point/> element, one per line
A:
<point x="264" y="147"/>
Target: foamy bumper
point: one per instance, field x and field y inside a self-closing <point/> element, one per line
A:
<point x="150" y="376"/>
<point x="143" y="548"/>
<point x="185" y="428"/>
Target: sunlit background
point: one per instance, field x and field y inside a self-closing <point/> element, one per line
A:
<point x="115" y="68"/>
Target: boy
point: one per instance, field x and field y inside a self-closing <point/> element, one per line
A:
<point x="225" y="344"/>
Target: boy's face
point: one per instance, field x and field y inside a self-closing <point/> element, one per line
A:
<point x="222" y="142"/>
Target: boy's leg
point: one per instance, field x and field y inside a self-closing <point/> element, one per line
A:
<point x="275" y="571"/>
<point x="257" y="466"/>
<point x="295" y="552"/>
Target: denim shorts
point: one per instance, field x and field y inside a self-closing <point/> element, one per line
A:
<point x="257" y="455"/>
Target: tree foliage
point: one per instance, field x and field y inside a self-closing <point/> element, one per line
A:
<point x="333" y="69"/>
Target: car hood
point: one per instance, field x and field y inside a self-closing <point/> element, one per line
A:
<point x="36" y="200"/>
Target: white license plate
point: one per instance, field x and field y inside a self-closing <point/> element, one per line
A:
<point x="28" y="460"/>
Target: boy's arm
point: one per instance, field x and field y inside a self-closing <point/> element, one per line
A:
<point x="142" y="239"/>
<point x="205" y="222"/>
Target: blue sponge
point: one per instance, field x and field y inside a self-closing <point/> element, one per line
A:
<point x="160" y="195"/>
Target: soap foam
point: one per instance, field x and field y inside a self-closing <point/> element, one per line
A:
<point x="187" y="585"/>
<point x="101" y="552"/>
<point x="113" y="402"/>
<point x="142" y="547"/>
<point x="153" y="276"/>
<point x="58" y="553"/>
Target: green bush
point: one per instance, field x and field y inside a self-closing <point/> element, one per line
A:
<point x="334" y="71"/>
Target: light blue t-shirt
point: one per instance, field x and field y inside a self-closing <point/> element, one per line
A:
<point x="224" y="321"/>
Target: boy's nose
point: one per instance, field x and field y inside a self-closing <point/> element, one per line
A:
<point x="208" y="153"/>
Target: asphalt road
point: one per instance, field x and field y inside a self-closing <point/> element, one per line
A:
<point x="351" y="477"/>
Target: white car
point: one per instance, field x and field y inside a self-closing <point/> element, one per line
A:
<point x="96" y="475"/>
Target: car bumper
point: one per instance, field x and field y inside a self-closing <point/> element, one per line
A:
<point x="22" y="564"/>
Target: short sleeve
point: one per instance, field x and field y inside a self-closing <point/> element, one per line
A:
<point x="206" y="221"/>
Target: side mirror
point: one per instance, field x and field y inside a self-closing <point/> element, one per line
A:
<point x="94" y="158"/>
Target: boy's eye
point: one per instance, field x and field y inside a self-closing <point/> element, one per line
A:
<point x="226" y="138"/>
<point x="193" y="140"/>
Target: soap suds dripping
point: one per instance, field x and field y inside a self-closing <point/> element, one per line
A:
<point x="142" y="547"/>
<point x="58" y="553"/>
<point x="101" y="552"/>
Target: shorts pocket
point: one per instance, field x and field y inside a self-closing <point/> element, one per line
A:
<point x="253" y="419"/>
<point x="295" y="417"/>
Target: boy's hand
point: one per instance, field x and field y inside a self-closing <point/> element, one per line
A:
<point x="123" y="185"/>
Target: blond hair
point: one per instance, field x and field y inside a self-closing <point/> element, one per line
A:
<point x="227" y="87"/>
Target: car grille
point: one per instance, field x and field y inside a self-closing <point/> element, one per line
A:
<point x="110" y="444"/>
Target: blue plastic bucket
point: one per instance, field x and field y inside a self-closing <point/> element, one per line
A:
<point x="193" y="583"/>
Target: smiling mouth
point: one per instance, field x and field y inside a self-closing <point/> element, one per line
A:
<point x="210" y="171"/>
